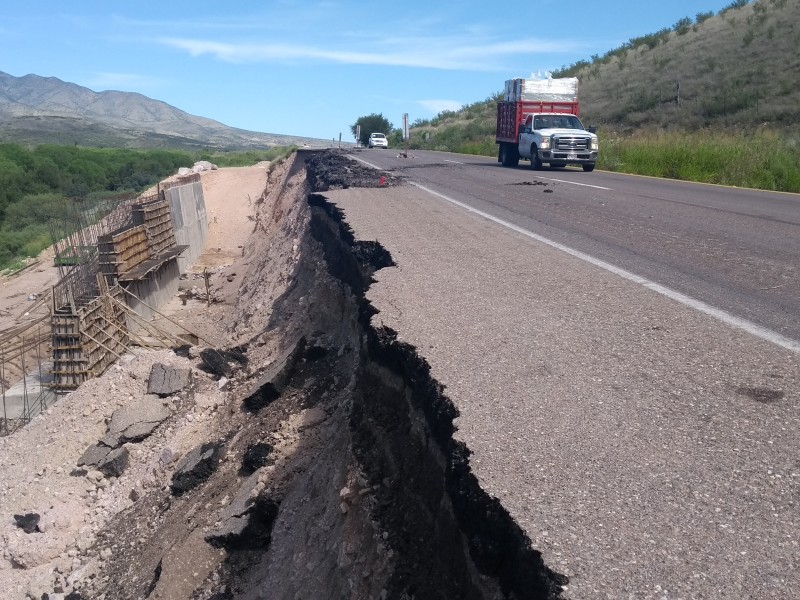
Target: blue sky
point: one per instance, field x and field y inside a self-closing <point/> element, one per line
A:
<point x="311" y="68"/>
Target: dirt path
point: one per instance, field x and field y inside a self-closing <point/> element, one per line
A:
<point x="230" y="196"/>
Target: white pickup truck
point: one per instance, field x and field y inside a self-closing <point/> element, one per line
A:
<point x="558" y="140"/>
<point x="538" y="121"/>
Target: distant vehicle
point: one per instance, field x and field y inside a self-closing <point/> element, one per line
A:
<point x="539" y="121"/>
<point x="377" y="140"/>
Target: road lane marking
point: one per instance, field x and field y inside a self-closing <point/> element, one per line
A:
<point x="716" y="313"/>
<point x="597" y="187"/>
<point x="369" y="164"/>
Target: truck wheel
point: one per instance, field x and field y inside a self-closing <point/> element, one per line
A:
<point x="536" y="163"/>
<point x="504" y="155"/>
<point x="509" y="155"/>
<point x="588" y="168"/>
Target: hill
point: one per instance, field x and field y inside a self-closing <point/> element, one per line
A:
<point x="735" y="70"/>
<point x="36" y="109"/>
<point x="738" y="68"/>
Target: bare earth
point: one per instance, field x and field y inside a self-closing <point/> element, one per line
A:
<point x="36" y="462"/>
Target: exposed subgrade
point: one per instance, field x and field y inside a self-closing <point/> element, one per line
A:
<point x="332" y="471"/>
<point x="450" y="539"/>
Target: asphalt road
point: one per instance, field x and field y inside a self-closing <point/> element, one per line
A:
<point x="737" y="250"/>
<point x="648" y="449"/>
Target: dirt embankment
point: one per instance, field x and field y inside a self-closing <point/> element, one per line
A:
<point x="315" y="460"/>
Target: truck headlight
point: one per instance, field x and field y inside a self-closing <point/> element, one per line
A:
<point x="595" y="144"/>
<point x="545" y="145"/>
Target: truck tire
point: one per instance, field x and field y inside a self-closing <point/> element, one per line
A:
<point x="536" y="162"/>
<point x="509" y="155"/>
<point x="588" y="168"/>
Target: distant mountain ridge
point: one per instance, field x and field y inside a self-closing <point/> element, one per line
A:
<point x="35" y="109"/>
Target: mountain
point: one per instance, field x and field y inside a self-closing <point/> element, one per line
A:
<point x="36" y="109"/>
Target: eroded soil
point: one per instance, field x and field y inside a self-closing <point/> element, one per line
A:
<point x="321" y="450"/>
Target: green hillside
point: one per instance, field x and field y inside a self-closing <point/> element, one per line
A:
<point x="717" y="93"/>
<point x="737" y="69"/>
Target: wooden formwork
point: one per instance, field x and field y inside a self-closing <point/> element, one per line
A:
<point x="123" y="251"/>
<point x="87" y="342"/>
<point x="156" y="219"/>
<point x="89" y="319"/>
<point x="69" y="365"/>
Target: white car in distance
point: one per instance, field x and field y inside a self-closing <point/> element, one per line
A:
<point x="377" y="140"/>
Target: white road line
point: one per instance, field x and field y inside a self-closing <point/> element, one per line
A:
<point x="455" y="162"/>
<point x="369" y="164"/>
<point x="720" y="315"/>
<point x="597" y="187"/>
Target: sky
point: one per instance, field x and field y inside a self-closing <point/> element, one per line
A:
<point x="311" y="68"/>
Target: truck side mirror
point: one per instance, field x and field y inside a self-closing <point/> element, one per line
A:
<point x="521" y="128"/>
<point x="591" y="129"/>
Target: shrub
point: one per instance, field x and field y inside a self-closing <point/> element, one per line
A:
<point x="703" y="16"/>
<point x="682" y="26"/>
<point x="732" y="5"/>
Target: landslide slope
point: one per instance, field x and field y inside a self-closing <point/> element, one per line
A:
<point x="310" y="457"/>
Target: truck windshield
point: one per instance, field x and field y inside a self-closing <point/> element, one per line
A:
<point x="557" y="122"/>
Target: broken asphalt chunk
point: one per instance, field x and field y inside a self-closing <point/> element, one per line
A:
<point x="222" y="362"/>
<point x="247" y="521"/>
<point x="195" y="468"/>
<point x="255" y="457"/>
<point x="115" y="463"/>
<point x="136" y="421"/>
<point x="93" y="456"/>
<point x="273" y="380"/>
<point x="166" y="380"/>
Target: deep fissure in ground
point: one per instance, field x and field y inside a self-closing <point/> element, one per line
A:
<point x="374" y="500"/>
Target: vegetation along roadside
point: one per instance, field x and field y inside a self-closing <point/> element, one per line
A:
<point x="713" y="99"/>
<point x="39" y="183"/>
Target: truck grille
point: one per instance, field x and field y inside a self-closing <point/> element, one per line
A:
<point x="571" y="144"/>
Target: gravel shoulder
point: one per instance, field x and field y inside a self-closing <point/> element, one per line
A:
<point x="647" y="450"/>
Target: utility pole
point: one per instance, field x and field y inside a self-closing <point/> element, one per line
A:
<point x="405" y="135"/>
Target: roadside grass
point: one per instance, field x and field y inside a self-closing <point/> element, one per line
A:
<point x="763" y="161"/>
<point x="38" y="185"/>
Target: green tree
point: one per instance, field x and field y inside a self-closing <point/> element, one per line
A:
<point x="374" y="123"/>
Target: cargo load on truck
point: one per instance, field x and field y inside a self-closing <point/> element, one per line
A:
<point x="564" y="89"/>
<point x="538" y="120"/>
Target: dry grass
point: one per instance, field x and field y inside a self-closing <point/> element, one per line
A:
<point x="735" y="120"/>
<point x="736" y="70"/>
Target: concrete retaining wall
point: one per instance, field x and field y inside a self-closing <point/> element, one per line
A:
<point x="158" y="288"/>
<point x="188" y="209"/>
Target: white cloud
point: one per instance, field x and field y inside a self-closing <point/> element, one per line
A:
<point x="434" y="53"/>
<point x="437" y="106"/>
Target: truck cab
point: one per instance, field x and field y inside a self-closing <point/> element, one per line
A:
<point x="558" y="139"/>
